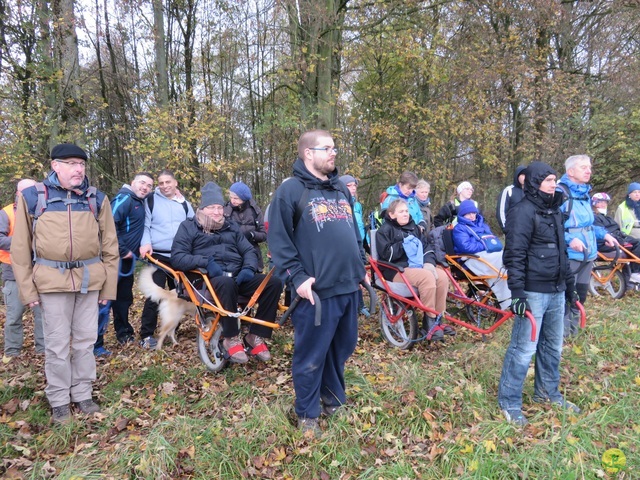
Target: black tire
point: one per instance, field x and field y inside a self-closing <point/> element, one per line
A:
<point x="616" y="286"/>
<point x="482" y="317"/>
<point x="211" y="353"/>
<point x="403" y="333"/>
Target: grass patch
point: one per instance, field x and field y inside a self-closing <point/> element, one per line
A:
<point x="428" y="413"/>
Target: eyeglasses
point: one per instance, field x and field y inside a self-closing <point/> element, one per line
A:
<point x="69" y="162"/>
<point x="325" y="149"/>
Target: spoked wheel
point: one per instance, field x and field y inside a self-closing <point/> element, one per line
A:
<point x="480" y="316"/>
<point x="399" y="324"/>
<point x="211" y="353"/>
<point x="614" y="287"/>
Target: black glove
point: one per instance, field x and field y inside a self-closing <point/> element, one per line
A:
<point x="213" y="269"/>
<point x="249" y="236"/>
<point x="519" y="306"/>
<point x="573" y="298"/>
<point x="244" y="275"/>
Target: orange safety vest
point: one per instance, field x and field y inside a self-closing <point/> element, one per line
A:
<point x="9" y="210"/>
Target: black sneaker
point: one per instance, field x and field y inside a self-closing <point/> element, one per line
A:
<point x="61" y="414"/>
<point x="126" y="340"/>
<point x="149" y="343"/>
<point x="515" y="416"/>
<point x="560" y="402"/>
<point x="87" y="406"/>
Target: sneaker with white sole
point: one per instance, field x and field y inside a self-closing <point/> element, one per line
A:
<point x="635" y="277"/>
<point x="515" y="416"/>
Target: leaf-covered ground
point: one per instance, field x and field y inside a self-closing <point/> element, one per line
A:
<point x="428" y="413"/>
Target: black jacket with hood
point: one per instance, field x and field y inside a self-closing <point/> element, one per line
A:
<point x="324" y="242"/>
<point x="535" y="254"/>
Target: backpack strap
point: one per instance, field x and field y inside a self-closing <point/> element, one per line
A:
<point x="41" y="205"/>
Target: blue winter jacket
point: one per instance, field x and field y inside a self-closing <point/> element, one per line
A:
<point x="464" y="241"/>
<point x="393" y="193"/>
<point x="579" y="223"/>
<point x="128" y="215"/>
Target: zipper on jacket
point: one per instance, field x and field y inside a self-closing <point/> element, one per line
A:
<point x="73" y="283"/>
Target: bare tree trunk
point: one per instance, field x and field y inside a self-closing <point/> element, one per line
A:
<point x="315" y="36"/>
<point x="67" y="60"/>
<point x="162" y="76"/>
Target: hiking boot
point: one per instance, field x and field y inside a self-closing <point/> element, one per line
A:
<point x="101" y="352"/>
<point x="61" y="414"/>
<point x="429" y="325"/>
<point x="306" y="425"/>
<point x="257" y="347"/>
<point x="87" y="406"/>
<point x="149" y="343"/>
<point x="235" y="349"/>
<point x="515" y="416"/>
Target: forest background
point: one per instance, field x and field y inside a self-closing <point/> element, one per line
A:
<point x="220" y="89"/>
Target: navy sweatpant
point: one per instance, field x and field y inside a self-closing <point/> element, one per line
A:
<point x="319" y="353"/>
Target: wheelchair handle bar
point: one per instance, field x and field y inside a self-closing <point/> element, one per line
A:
<point x="318" y="308"/>
<point x="373" y="298"/>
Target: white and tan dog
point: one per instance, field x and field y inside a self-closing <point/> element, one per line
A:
<point x="171" y="309"/>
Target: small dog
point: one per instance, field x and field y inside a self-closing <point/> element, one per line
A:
<point x="171" y="309"/>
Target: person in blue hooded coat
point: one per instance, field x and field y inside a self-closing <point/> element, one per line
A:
<point x="468" y="239"/>
<point x="405" y="189"/>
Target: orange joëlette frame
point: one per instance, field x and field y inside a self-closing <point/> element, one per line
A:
<point x="181" y="278"/>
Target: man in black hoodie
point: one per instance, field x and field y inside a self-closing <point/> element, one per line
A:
<point x="539" y="279"/>
<point x="510" y="196"/>
<point x="128" y="214"/>
<point x="313" y="238"/>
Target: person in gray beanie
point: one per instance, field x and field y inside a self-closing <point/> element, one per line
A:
<point x="245" y="212"/>
<point x="211" y="241"/>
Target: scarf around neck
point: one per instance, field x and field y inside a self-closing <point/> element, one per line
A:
<point x="207" y="224"/>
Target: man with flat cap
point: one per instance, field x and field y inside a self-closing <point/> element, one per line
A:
<point x="65" y="259"/>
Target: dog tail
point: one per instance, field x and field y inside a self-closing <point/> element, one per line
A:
<point x="148" y="288"/>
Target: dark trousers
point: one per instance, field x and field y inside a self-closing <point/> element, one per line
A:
<point x="319" y="353"/>
<point x="120" y="306"/>
<point x="149" y="317"/>
<point x="124" y="299"/>
<point x="228" y="291"/>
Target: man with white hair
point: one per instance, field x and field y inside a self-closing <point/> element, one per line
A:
<point x="580" y="233"/>
<point x="13" y="329"/>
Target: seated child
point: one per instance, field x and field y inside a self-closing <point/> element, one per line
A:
<point x="400" y="241"/>
<point x="468" y="239"/>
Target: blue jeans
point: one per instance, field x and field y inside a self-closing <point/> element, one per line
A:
<point x="548" y="310"/>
